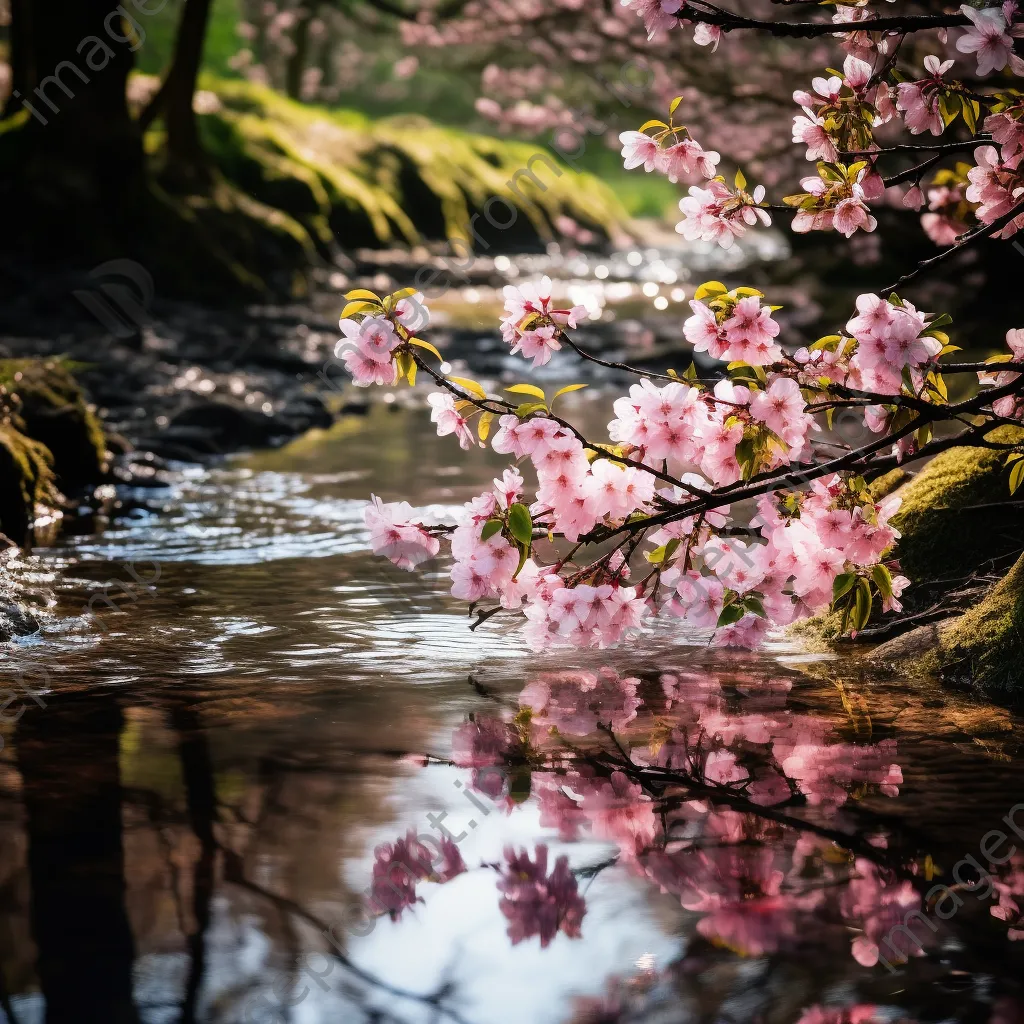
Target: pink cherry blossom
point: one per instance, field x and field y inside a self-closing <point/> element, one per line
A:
<point x="398" y="866"/>
<point x="685" y="159"/>
<point x="395" y="535"/>
<point x="1011" y="406"/>
<point x="637" y="149"/>
<point x="808" y="128"/>
<point x="449" y="420"/>
<point x="997" y="187"/>
<point x="989" y="38"/>
<point x="919" y="101"/>
<point x="719" y="214"/>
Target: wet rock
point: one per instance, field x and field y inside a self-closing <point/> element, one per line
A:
<point x="15" y="620"/>
<point x="955" y="516"/>
<point x="214" y="425"/>
<point x="304" y="412"/>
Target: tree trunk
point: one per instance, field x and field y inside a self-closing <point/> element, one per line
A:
<point x="186" y="165"/>
<point x="71" y="172"/>
<point x="300" y="55"/>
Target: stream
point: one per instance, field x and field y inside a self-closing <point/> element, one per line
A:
<point x="234" y="714"/>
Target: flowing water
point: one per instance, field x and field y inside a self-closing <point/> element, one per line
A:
<point x="232" y="705"/>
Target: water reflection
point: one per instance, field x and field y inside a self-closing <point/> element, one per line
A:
<point x="287" y="786"/>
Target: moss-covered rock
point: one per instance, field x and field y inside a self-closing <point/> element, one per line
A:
<point x="49" y="439"/>
<point x="27" y="484"/>
<point x="399" y="180"/>
<point x="53" y="411"/>
<point x="954" y="518"/>
<point x="881" y="487"/>
<point x="981" y="648"/>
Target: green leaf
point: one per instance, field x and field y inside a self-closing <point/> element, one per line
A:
<point x="520" y="524"/>
<point x="483" y="428"/>
<point x="730" y="613"/>
<point x="970" y="110"/>
<point x="1016" y="476"/>
<point x="519" y="786"/>
<point x="524" y="410"/>
<point x="843" y="584"/>
<point x="528" y="389"/>
<point x="491" y="527"/>
<point x="862" y="605"/>
<point x="752" y="604"/>
<point x="883" y="580"/>
<point x="419" y="343"/>
<point x="949" y="108"/>
<point x="352" y="308"/>
<point x="567" y="389"/>
<point x="710" y="289"/>
<point x="469" y="385"/>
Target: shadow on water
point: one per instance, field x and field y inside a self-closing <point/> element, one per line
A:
<point x="189" y="813"/>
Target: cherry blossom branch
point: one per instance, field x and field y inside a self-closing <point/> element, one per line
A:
<point x="708" y="14"/>
<point x="983" y="231"/>
<point x="590" y="358"/>
<point x="483" y="404"/>
<point x="795" y="476"/>
<point x="943" y="147"/>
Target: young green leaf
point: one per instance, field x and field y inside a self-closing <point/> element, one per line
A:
<point x="469" y="385"/>
<point x="420" y="343"/>
<point x="491" y="527"/>
<point x="527" y="389"/>
<point x="352" y="308"/>
<point x="520" y="523"/>
<point x="483" y="428"/>
<point x="883" y="580"/>
<point x="1016" y="476"/>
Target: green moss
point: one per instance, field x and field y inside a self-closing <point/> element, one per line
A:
<point x="26" y="482"/>
<point x="944" y="534"/>
<point x="984" y="645"/>
<point x="52" y="410"/>
<point x="887" y="483"/>
<point x="402" y="179"/>
<point x="980" y="648"/>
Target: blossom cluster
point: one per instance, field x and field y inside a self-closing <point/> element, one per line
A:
<point x="669" y="443"/>
<point x="532" y="325"/>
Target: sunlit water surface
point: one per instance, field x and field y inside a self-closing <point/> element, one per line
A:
<point x="189" y="823"/>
